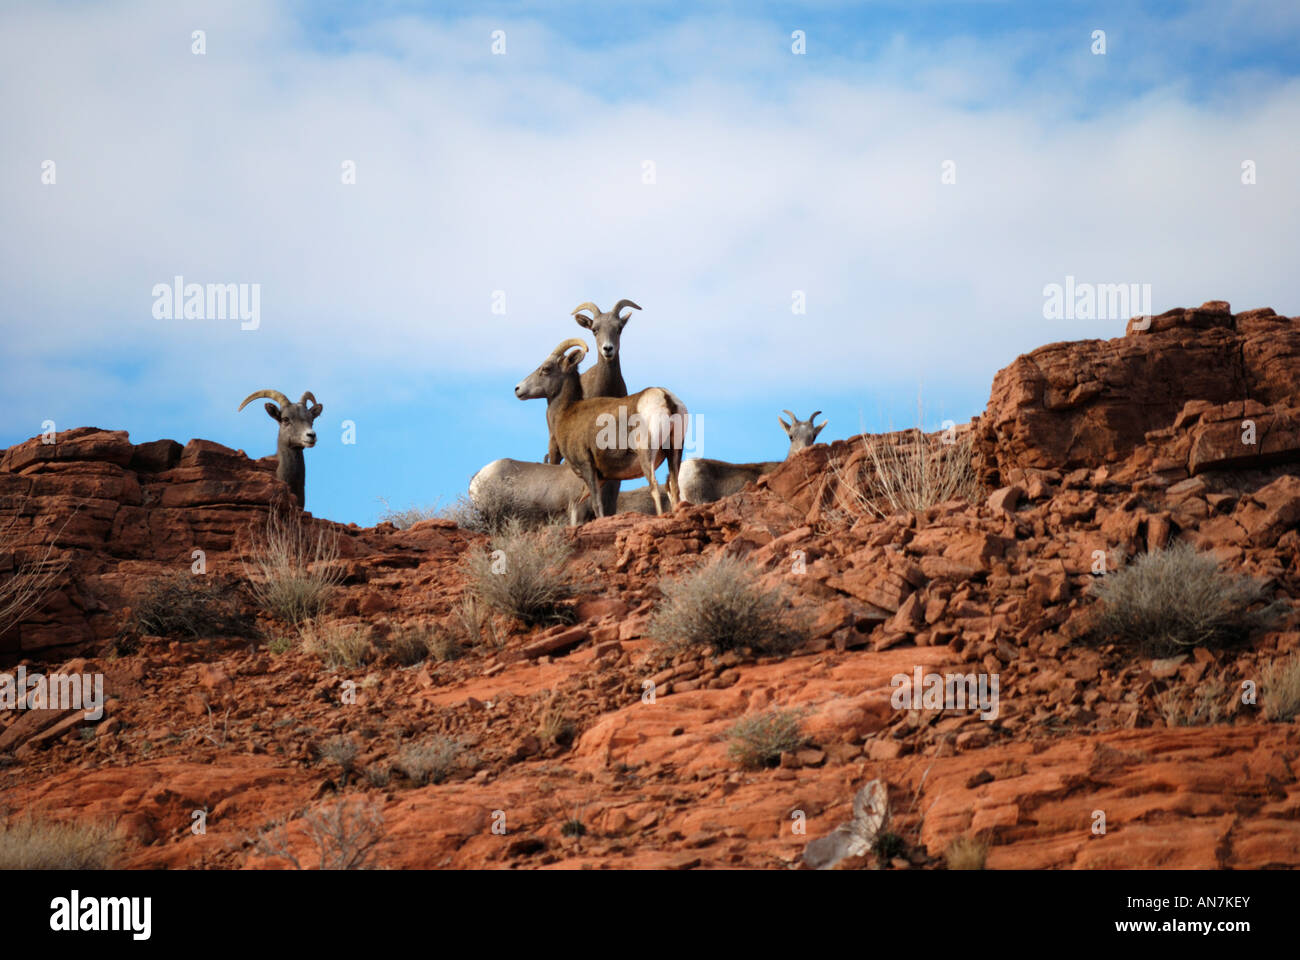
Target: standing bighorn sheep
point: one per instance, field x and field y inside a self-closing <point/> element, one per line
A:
<point x="703" y="481"/>
<point x="605" y="379"/>
<point x="296" y="432"/>
<point x="608" y="438"/>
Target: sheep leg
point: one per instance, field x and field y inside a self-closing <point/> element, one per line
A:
<point x="674" y="464"/>
<point x="589" y="475"/>
<point x="648" y="468"/>
<point x="609" y="491"/>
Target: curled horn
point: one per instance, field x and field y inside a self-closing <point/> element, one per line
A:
<point x="620" y="305"/>
<point x="563" y="348"/>
<point x="595" y="310"/>
<point x="308" y="395"/>
<point x="275" y="395"/>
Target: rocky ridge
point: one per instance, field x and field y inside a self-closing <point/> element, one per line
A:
<point x="1112" y="447"/>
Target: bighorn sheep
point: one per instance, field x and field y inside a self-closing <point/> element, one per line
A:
<point x="542" y="490"/>
<point x="608" y="438"/>
<point x="296" y="432"/>
<point x="703" y="481"/>
<point x="605" y="379"/>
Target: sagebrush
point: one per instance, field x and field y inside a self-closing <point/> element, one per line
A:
<point x="722" y="604"/>
<point x="1173" y="599"/>
<point x="521" y="573"/>
<point x="759" y="740"/>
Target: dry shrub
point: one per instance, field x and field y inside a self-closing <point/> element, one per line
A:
<point x="554" y="725"/>
<point x="405" y="519"/>
<point x="471" y="624"/>
<point x="1280" y="688"/>
<point x="521" y="573"/>
<point x="341" y="750"/>
<point x="410" y="644"/>
<point x="345" y="645"/>
<point x="759" y="740"/>
<point x="967" y="853"/>
<point x="188" y="603"/>
<point x="723" y="605"/>
<point x="293" y="570"/>
<point x="1169" y="600"/>
<point x="496" y="512"/>
<point x="431" y="761"/>
<point x="1208" y="704"/>
<point x="407" y="645"/>
<point x="344" y="834"/>
<point x="38" y="844"/>
<point x="904" y="472"/>
<point x="24" y="585"/>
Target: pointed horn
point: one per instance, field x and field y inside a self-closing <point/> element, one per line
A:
<point x="564" y="348"/>
<point x="275" y="395"/>
<point x="620" y="305"/>
<point x="595" y="310"/>
<point x="816" y="414"/>
<point x="790" y="415"/>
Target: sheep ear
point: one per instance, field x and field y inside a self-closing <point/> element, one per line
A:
<point x="273" y="412"/>
<point x="316" y="411"/>
<point x="583" y="320"/>
<point x="820" y="428"/>
<point x="784" y="426"/>
<point x="573" y="358"/>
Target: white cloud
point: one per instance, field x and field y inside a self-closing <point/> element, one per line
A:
<point x="522" y="173"/>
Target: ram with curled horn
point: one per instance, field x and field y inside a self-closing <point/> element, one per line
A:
<point x="607" y="439"/>
<point x="605" y="377"/>
<point x="296" y="433"/>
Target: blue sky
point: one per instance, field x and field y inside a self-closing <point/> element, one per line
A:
<point x="525" y="174"/>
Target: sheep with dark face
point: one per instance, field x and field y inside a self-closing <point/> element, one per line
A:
<point x="296" y="433"/>
<point x="703" y="481"/>
<point x="605" y="379"/>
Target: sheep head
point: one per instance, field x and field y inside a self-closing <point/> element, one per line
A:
<point x="802" y="433"/>
<point x="295" y="419"/>
<point x="548" y="380"/>
<point x="606" y="327"/>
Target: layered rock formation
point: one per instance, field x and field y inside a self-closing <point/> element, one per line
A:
<point x="1097" y="448"/>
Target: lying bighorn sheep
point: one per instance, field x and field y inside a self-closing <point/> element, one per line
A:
<point x="704" y="481"/>
<point x="295" y="420"/>
<point x="542" y="490"/>
<point x="608" y="438"/>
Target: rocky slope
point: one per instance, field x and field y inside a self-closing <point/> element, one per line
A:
<point x="1115" y="447"/>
